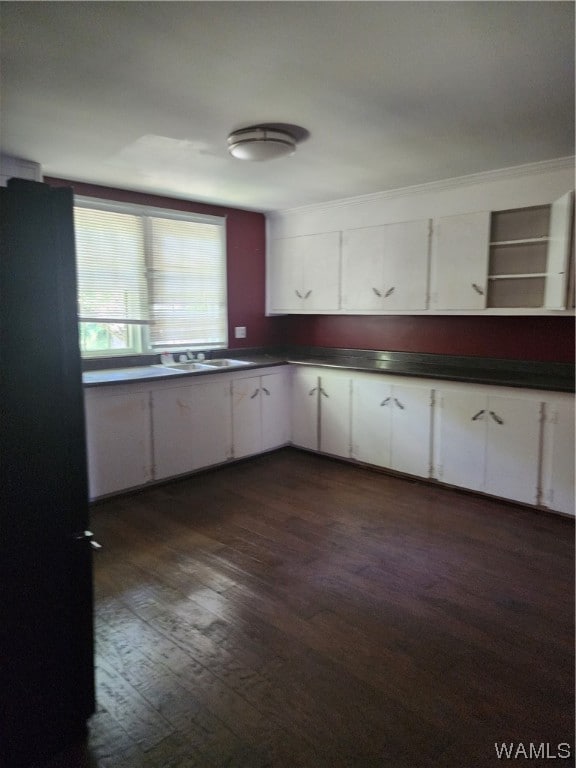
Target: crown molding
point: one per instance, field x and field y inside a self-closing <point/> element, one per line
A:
<point x="516" y="171"/>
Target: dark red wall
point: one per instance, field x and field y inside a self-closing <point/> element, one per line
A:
<point x="520" y="338"/>
<point x="246" y="253"/>
<point x="515" y="338"/>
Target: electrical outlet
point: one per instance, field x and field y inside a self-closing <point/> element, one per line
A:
<point x="240" y="332"/>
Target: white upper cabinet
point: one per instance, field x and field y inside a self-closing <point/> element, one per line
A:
<point x="499" y="244"/>
<point x="509" y="261"/>
<point x="557" y="266"/>
<point x="304" y="273"/>
<point x="459" y="269"/>
<point x="514" y="259"/>
<point x="385" y="268"/>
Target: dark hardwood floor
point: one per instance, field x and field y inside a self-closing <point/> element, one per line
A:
<point x="296" y="611"/>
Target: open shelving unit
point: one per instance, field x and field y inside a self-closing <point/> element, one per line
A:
<point x="518" y="257"/>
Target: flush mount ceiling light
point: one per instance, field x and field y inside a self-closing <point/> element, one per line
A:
<point x="259" y="143"/>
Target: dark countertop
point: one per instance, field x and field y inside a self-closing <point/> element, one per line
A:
<point x="502" y="378"/>
<point x="555" y="377"/>
<point x="155" y="372"/>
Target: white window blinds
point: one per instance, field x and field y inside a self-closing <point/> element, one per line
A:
<point x="111" y="267"/>
<point x="168" y="272"/>
<point x="187" y="283"/>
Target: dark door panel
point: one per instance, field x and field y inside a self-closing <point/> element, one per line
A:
<point x="46" y="690"/>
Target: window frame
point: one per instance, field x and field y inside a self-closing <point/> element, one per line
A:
<point x="139" y="334"/>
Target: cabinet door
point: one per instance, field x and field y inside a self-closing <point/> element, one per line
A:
<point x="371" y="420"/>
<point x="411" y="409"/>
<point x="246" y="417"/>
<point x="305" y="273"/>
<point x="362" y="269"/>
<point x="406" y="265"/>
<point x="305" y="408"/>
<point x="192" y="427"/>
<point x="286" y="276"/>
<point x="559" y="446"/>
<point x="334" y="403"/>
<point x="385" y="268"/>
<point x="320" y="255"/>
<point x="119" y="441"/>
<point x="460" y="249"/>
<point x="513" y="448"/>
<point x="461" y="423"/>
<point x="275" y="410"/>
<point x="558" y="252"/>
<point x="47" y="668"/>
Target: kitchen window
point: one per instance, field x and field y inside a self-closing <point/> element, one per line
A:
<point x="149" y="279"/>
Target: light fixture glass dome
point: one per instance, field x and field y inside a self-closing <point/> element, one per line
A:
<point x="258" y="144"/>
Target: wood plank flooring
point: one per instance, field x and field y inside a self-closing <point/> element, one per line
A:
<point x="296" y="611"/>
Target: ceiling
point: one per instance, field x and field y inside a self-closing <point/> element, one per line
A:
<point x="142" y="95"/>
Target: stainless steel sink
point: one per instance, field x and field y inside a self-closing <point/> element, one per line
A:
<point x="226" y="362"/>
<point x="207" y="365"/>
<point x="187" y="366"/>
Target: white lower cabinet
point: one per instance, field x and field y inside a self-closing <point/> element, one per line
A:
<point x="558" y="460"/>
<point x="304" y="407"/>
<point x="461" y="438"/>
<point x="334" y="399"/>
<point x="321" y="410"/>
<point x="260" y="415"/>
<point x="391" y="424"/>
<point x="513" y="443"/>
<point x="489" y="442"/>
<point x="119" y="439"/>
<point x="191" y="426"/>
